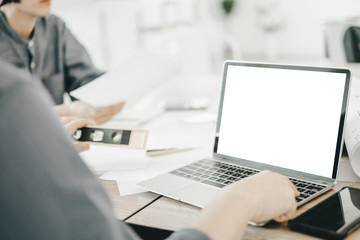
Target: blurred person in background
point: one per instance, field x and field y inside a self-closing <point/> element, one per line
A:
<point x="33" y="39"/>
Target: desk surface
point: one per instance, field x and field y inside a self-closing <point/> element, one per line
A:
<point x="125" y="206"/>
<point x="171" y="214"/>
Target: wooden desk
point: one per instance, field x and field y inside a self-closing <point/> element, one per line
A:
<point x="125" y="206"/>
<point x="171" y="214"/>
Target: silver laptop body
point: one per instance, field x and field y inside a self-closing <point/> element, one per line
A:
<point x="285" y="118"/>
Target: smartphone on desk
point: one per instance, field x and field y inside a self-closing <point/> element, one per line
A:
<point x="333" y="218"/>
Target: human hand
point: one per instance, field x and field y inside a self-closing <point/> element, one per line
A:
<point x="74" y="123"/>
<point x="272" y="196"/>
<point x="261" y="197"/>
<point x="83" y="110"/>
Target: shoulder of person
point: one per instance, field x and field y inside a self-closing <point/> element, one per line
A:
<point x="52" y="21"/>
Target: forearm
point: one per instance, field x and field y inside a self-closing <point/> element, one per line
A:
<point x="226" y="217"/>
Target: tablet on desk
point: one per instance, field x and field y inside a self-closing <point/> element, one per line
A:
<point x="333" y="218"/>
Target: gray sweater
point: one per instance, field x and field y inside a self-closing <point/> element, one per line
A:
<point x="52" y="55"/>
<point x="47" y="192"/>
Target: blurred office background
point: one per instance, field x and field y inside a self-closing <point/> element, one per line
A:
<point x="201" y="34"/>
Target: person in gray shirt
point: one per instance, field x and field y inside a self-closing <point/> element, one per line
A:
<point x="47" y="191"/>
<point x="40" y="43"/>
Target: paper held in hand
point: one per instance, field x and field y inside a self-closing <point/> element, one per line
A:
<point x="130" y="82"/>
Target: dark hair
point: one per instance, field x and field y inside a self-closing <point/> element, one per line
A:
<point x="9" y="1"/>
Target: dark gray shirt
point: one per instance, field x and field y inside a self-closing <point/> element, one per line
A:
<point x="52" y="55"/>
<point x="46" y="190"/>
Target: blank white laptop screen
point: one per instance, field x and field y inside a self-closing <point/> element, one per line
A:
<point x="283" y="117"/>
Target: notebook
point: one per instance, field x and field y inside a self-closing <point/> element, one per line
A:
<point x="285" y="118"/>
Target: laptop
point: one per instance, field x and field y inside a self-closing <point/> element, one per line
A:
<point x="285" y="118"/>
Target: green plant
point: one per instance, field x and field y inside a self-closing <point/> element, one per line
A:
<point x="227" y="6"/>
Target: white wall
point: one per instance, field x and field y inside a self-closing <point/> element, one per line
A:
<point x="301" y="35"/>
<point x="198" y="31"/>
<point x="107" y="28"/>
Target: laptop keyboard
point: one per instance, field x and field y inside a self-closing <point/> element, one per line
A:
<point x="306" y="188"/>
<point x="220" y="174"/>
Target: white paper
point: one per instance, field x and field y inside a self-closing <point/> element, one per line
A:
<point x="135" y="78"/>
<point x="129" y="187"/>
<point x="346" y="173"/>
<point x="352" y="127"/>
<point x="136" y="117"/>
<point x="102" y="158"/>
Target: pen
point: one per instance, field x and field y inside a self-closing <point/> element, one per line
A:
<point x="164" y="151"/>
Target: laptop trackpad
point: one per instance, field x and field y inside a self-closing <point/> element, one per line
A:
<point x="165" y="183"/>
<point x="198" y="194"/>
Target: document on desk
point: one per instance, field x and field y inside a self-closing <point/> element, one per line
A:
<point x="129" y="82"/>
<point x="127" y="179"/>
<point x="352" y="128"/>
<point x="102" y="158"/>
